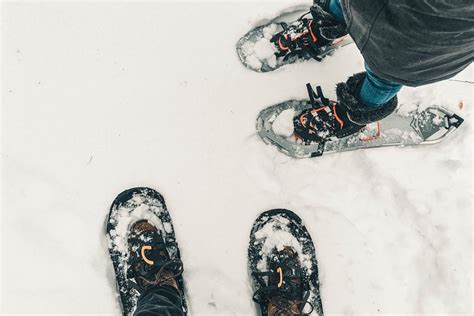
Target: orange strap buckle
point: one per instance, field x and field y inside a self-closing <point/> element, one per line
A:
<point x="280" y="282"/>
<point x="148" y="261"/>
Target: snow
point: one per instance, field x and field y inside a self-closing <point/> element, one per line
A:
<point x="262" y="51"/>
<point x="126" y="215"/>
<point x="279" y="239"/>
<point x="283" y="124"/>
<point x="101" y="97"/>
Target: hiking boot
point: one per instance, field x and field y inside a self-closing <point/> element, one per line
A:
<point x="357" y="112"/>
<point x="150" y="264"/>
<point x="289" y="300"/>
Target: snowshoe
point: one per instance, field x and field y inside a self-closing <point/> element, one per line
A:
<point x="143" y="246"/>
<point x="283" y="265"/>
<point x="313" y="35"/>
<point x="324" y="126"/>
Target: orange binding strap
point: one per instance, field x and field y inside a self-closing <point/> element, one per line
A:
<point x="338" y="119"/>
<point x="281" y="45"/>
<point x="148" y="261"/>
<point x="311" y="32"/>
<point x="280" y="282"/>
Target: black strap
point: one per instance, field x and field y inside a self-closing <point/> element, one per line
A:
<point x="320" y="95"/>
<point x="316" y="95"/>
<point x="320" y="150"/>
<point x="309" y="50"/>
<point x="298" y="47"/>
<point x="311" y="94"/>
<point x="284" y="26"/>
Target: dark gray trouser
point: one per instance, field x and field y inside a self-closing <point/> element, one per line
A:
<point x="163" y="301"/>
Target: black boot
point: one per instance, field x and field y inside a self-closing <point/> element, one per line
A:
<point x="150" y="264"/>
<point x="327" y="119"/>
<point x="357" y="112"/>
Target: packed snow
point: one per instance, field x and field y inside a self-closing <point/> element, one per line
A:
<point x="262" y="51"/>
<point x="283" y="124"/>
<point x="140" y="208"/>
<point x="279" y="239"/>
<point x="101" y="97"/>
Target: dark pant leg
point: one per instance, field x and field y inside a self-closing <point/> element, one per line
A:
<point x="163" y="301"/>
<point x="374" y="91"/>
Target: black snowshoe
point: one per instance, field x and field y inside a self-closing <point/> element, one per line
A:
<point x="143" y="246"/>
<point x="283" y="266"/>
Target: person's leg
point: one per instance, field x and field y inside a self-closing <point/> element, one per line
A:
<point x="335" y="9"/>
<point x="375" y="91"/>
<point x="163" y="301"/>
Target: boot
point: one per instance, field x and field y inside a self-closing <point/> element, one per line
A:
<point x="327" y="119"/>
<point x="149" y="261"/>
<point x="357" y="112"/>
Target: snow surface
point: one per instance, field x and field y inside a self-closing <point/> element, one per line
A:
<point x="101" y="97"/>
<point x="262" y="51"/>
<point x="283" y="124"/>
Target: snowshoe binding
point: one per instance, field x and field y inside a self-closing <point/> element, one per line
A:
<point x="283" y="266"/>
<point x="313" y="35"/>
<point x="305" y="38"/>
<point x="323" y="120"/>
<point x="143" y="247"/>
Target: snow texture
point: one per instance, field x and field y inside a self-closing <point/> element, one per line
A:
<point x="283" y="124"/>
<point x="280" y="239"/>
<point x="263" y="51"/>
<point x="101" y="97"/>
<point x="140" y="207"/>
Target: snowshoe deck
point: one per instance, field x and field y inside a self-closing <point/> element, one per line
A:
<point x="130" y="206"/>
<point x="429" y="126"/>
<point x="247" y="51"/>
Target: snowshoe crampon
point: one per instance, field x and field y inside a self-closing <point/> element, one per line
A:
<point x="128" y="208"/>
<point x="428" y="126"/>
<point x="283" y="266"/>
<point x="260" y="51"/>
